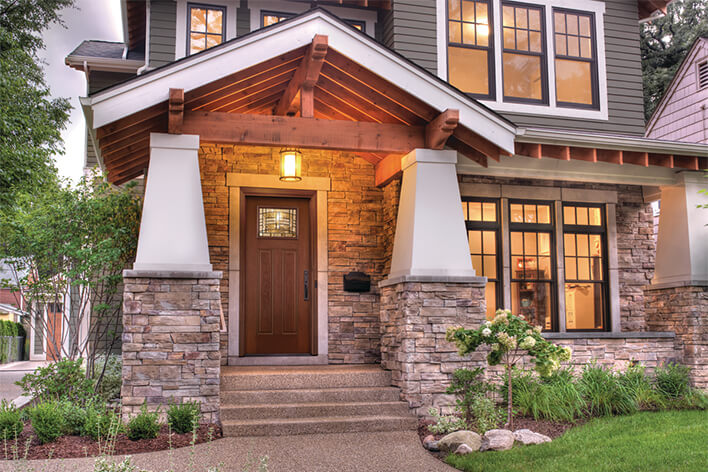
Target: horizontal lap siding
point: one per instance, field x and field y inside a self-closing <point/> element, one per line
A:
<point x="624" y="78"/>
<point x="163" y="20"/>
<point x="410" y="29"/>
<point x="243" y="19"/>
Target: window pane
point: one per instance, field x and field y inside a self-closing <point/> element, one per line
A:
<point x="508" y="16"/>
<point x="509" y="41"/>
<point x="468" y="33"/>
<point x="455" y="31"/>
<point x="585" y="26"/>
<point x="533" y="300"/>
<point x="477" y="264"/>
<point x="535" y="41"/>
<point x="569" y="244"/>
<point x="453" y="9"/>
<point x="468" y="70"/>
<point x="544" y="214"/>
<point x="573" y="47"/>
<point x="516" y="242"/>
<point x="475" y="238"/>
<point x="544" y="268"/>
<point x="596" y="269"/>
<point x="560" y="45"/>
<point x="482" y="16"/>
<point x="573" y="81"/>
<point x="277" y="222"/>
<point x="464" y="210"/>
<point x="534" y="19"/>
<point x="583" y="268"/>
<point x="521" y="18"/>
<point x="490" y="243"/>
<point x="582" y="214"/>
<point x="595" y="216"/>
<point x="530" y="213"/>
<point x="270" y="20"/>
<point x="522" y="40"/>
<point x="544" y="244"/>
<point x="517" y="267"/>
<point x="585" y="48"/>
<point x="489" y="211"/>
<point x="482" y="35"/>
<point x="571" y="271"/>
<point x="468" y="11"/>
<point x="584" y="306"/>
<point x="530" y="268"/>
<point x="530" y="244"/>
<point x="517" y="213"/>
<point x="569" y="215"/>
<point x="559" y="22"/>
<point x="197" y="42"/>
<point x="522" y="76"/>
<point x="215" y="21"/>
<point x="582" y="245"/>
<point x="490" y="295"/>
<point x="595" y="245"/>
<point x="475" y="211"/>
<point x="571" y="22"/>
<point x="198" y="20"/>
<point x="490" y="267"/>
<point x="213" y="40"/>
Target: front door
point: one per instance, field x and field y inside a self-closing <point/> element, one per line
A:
<point x="278" y="276"/>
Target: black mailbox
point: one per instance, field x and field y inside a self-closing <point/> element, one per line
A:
<point x="357" y="282"/>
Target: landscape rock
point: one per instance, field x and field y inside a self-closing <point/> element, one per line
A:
<point x="497" y="440"/>
<point x="526" y="437"/>
<point x="452" y="441"/>
<point x="429" y="442"/>
<point x="464" y="449"/>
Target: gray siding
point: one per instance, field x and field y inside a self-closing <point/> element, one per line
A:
<point x="163" y="20"/>
<point x="243" y="19"/>
<point x="411" y="31"/>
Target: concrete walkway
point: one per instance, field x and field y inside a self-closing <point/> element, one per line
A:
<point x="343" y="452"/>
<point x="11" y="373"/>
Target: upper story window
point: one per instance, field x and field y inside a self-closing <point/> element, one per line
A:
<point x="575" y="61"/>
<point x="206" y="27"/>
<point x="524" y="59"/>
<point x="270" y="18"/>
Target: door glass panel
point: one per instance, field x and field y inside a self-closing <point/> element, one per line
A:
<point x="277" y="222"/>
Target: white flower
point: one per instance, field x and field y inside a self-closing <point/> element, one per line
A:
<point x="486" y="332"/>
<point x="527" y="343"/>
<point x="487" y="323"/>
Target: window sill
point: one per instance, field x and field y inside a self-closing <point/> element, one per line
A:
<point x="607" y="335"/>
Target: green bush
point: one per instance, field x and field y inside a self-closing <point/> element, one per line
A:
<point x="673" y="380"/>
<point x="604" y="394"/>
<point x="467" y="385"/>
<point x="485" y="414"/>
<point x="144" y="425"/>
<point x="74" y="418"/>
<point x="62" y="380"/>
<point x="10" y="421"/>
<point x="183" y="417"/>
<point x="556" y="397"/>
<point x="112" y="380"/>
<point x="100" y="422"/>
<point x="445" y="424"/>
<point x="640" y="388"/>
<point x="47" y="421"/>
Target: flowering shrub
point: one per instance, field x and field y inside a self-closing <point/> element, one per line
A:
<point x="510" y="338"/>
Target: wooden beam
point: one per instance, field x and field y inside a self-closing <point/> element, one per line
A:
<point x="387" y="170"/>
<point x="478" y="143"/>
<point x="235" y="128"/>
<point x="636" y="157"/>
<point x="662" y="160"/>
<point x="556" y="152"/>
<point x="305" y="76"/>
<point x="613" y="156"/>
<point x="583" y="154"/>
<point x="175" y="113"/>
<point x="528" y="149"/>
<point x="468" y="151"/>
<point x="441" y="128"/>
<point x="687" y="162"/>
<point x="371" y="157"/>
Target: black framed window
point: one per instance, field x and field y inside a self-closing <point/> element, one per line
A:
<point x="470" y="47"/>
<point x="575" y="59"/>
<point x="584" y="247"/>
<point x="482" y="218"/>
<point x="206" y="26"/>
<point x="533" y="268"/>
<point x="272" y="17"/>
<point x="524" y="64"/>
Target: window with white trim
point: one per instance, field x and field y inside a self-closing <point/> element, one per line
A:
<point x="206" y="27"/>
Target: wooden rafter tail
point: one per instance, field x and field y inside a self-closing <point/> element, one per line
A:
<point x="371" y="157"/>
<point x="528" y="150"/>
<point x="441" y="128"/>
<point x="661" y="160"/>
<point x="583" y="154"/>
<point x="175" y="111"/>
<point x="687" y="162"/>
<point x="468" y="151"/>
<point x="556" y="152"/>
<point x="639" y="158"/>
<point x="478" y="143"/>
<point x="305" y="77"/>
<point x="613" y="156"/>
<point x="387" y="170"/>
<point x="134" y="119"/>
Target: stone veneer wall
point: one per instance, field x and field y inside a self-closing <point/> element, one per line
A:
<point x="683" y="310"/>
<point x="359" y="232"/>
<point x="414" y="319"/>
<point x="636" y="245"/>
<point x="171" y="342"/>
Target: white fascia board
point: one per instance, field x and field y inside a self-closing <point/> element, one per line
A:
<point x="104" y="63"/>
<point x="88" y="116"/>
<point x="149" y="90"/>
<point x="626" y="143"/>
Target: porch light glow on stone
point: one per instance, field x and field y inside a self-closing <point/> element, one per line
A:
<point x="290" y="165"/>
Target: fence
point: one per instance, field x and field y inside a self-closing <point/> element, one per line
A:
<point x="11" y="348"/>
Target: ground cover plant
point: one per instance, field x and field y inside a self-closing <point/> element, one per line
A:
<point x="668" y="441"/>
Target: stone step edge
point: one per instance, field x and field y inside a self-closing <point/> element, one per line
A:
<point x="228" y="406"/>
<point x="314" y="389"/>
<point x="315" y="420"/>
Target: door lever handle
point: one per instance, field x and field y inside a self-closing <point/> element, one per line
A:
<point x="307" y="284"/>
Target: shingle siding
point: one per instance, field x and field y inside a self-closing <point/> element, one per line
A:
<point x="163" y="21"/>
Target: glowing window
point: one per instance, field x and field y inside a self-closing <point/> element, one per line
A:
<point x="575" y="59"/>
<point x="206" y="27"/>
<point x="470" y="47"/>
<point x="277" y="222"/>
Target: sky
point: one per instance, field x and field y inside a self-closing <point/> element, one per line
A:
<point x="93" y="19"/>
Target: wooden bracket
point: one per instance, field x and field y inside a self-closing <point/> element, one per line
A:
<point x="387" y="170"/>
<point x="304" y="79"/>
<point x="441" y="128"/>
<point x="175" y="111"/>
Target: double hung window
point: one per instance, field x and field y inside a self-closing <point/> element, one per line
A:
<point x="206" y="27"/>
<point x="470" y="52"/>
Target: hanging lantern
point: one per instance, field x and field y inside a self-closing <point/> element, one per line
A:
<point x="290" y="165"/>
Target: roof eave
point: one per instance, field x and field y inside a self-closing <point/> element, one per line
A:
<point x="103" y="63"/>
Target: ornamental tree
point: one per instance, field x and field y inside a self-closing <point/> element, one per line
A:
<point x="510" y="338"/>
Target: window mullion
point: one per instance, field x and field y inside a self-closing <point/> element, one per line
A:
<point x="560" y="266"/>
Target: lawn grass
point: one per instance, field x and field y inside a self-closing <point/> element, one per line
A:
<point x="664" y="441"/>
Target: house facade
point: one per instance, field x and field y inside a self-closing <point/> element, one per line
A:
<point x="342" y="184"/>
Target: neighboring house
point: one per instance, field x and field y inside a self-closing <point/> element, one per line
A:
<point x="461" y="156"/>
<point x="682" y="113"/>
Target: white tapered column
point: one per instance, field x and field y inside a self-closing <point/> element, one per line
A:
<point x="682" y="244"/>
<point x="172" y="229"/>
<point x="431" y="239"/>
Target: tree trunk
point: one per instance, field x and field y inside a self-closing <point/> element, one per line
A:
<point x="509" y="410"/>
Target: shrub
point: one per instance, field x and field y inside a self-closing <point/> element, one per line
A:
<point x="10" y="421"/>
<point x="62" y="380"/>
<point x="74" y="418"/>
<point x="445" y="424"/>
<point x="100" y="422"/>
<point x="183" y="417"/>
<point x="640" y="388"/>
<point x="673" y="380"/>
<point x="112" y="380"/>
<point x="604" y="394"/>
<point x="144" y="425"/>
<point x="485" y="414"/>
<point x="555" y="398"/>
<point x="47" y="421"/>
<point x="467" y="385"/>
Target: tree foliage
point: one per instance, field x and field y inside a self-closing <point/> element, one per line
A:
<point x="30" y="120"/>
<point x="665" y="43"/>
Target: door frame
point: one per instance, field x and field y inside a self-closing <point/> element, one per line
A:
<point x="315" y="189"/>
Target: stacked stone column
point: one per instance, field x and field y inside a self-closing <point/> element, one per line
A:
<point x="414" y="319"/>
<point x="171" y="325"/>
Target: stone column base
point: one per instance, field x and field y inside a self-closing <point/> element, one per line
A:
<point x="414" y="318"/>
<point x="682" y="309"/>
<point x="171" y="324"/>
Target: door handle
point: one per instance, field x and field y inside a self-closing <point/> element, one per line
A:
<point x="307" y="284"/>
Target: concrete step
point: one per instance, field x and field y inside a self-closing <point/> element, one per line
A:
<point x="331" y="424"/>
<point x="326" y="395"/>
<point x="313" y="410"/>
<point x="284" y="378"/>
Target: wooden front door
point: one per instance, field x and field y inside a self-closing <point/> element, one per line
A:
<point x="278" y="279"/>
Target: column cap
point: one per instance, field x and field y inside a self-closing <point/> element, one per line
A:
<point x="174" y="141"/>
<point x="430" y="156"/>
<point x="172" y="274"/>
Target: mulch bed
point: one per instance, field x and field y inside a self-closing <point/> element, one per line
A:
<point x="77" y="446"/>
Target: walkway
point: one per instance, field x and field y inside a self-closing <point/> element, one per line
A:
<point x="11" y="373"/>
<point x="342" y="452"/>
